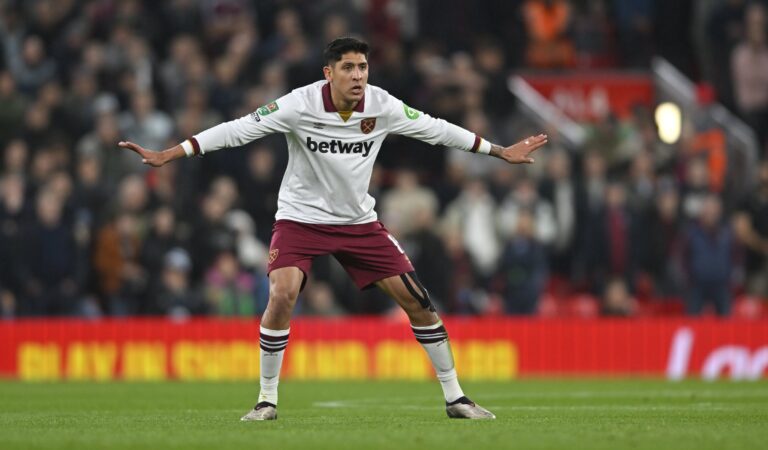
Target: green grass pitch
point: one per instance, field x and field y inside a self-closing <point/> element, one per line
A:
<point x="532" y="414"/>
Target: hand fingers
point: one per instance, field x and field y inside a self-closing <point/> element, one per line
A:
<point x="536" y="142"/>
<point x="131" y="146"/>
<point x="533" y="140"/>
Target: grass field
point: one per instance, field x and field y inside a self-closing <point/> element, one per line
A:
<point x="588" y="414"/>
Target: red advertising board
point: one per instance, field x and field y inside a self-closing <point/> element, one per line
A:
<point x="378" y="348"/>
<point x="586" y="97"/>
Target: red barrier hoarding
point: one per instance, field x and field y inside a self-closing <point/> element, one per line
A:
<point x="586" y="97"/>
<point x="378" y="348"/>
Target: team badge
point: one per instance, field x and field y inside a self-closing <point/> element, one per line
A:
<point x="367" y="125"/>
<point x="273" y="255"/>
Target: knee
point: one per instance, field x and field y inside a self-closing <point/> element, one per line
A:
<point x="283" y="296"/>
<point x="417" y="297"/>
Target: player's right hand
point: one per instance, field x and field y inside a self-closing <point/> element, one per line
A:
<point x="148" y="157"/>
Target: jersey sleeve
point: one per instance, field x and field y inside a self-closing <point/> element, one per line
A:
<point x="279" y="116"/>
<point x="406" y="121"/>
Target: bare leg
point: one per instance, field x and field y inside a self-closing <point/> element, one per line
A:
<point x="428" y="329"/>
<point x="284" y="285"/>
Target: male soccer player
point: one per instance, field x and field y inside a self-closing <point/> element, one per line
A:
<point x="335" y="129"/>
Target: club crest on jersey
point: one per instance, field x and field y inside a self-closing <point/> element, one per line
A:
<point x="367" y="125"/>
<point x="273" y="255"/>
<point x="268" y="109"/>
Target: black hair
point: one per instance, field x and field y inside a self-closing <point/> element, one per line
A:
<point x="339" y="46"/>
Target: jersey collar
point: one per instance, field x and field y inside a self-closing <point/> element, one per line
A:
<point x="328" y="103"/>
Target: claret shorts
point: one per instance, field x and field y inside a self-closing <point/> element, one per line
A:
<point x="366" y="251"/>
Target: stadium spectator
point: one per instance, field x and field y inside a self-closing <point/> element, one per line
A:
<point x="695" y="188"/>
<point x="144" y="123"/>
<point x="592" y="35"/>
<point x="751" y="228"/>
<point x="175" y="296"/>
<point x="393" y="75"/>
<point x="263" y="184"/>
<point x="590" y="210"/>
<point x="159" y="241"/>
<point x="706" y="140"/>
<point x="617" y="300"/>
<point x="38" y="129"/>
<point x="617" y="140"/>
<point x="14" y="216"/>
<point x="91" y="193"/>
<point x="121" y="278"/>
<point x="401" y="205"/>
<point x="465" y="294"/>
<point x="210" y="234"/>
<point x="229" y="289"/>
<point x="30" y="65"/>
<point x="525" y="199"/>
<point x="319" y="300"/>
<point x="174" y="72"/>
<point x="251" y="253"/>
<point x="548" y="23"/>
<point x="559" y="190"/>
<point x="472" y="216"/>
<point x="7" y="303"/>
<point x="424" y="247"/>
<point x="620" y="226"/>
<point x="749" y="64"/>
<point x="12" y="112"/>
<point x="491" y="63"/>
<point x="724" y="30"/>
<point x="171" y="186"/>
<point x="634" y="29"/>
<point x="523" y="266"/>
<point x="749" y="61"/>
<point x="663" y="241"/>
<point x="50" y="282"/>
<point x="709" y="258"/>
<point x="99" y="142"/>
<point x="80" y="102"/>
<point x="15" y="157"/>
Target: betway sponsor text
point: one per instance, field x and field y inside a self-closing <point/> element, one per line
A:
<point x="337" y="146"/>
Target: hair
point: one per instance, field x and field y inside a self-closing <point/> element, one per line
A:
<point x="339" y="46"/>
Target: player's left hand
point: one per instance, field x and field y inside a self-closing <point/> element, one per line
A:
<point x="520" y="153"/>
<point x="148" y="157"/>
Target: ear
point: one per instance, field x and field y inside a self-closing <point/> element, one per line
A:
<point x="327" y="73"/>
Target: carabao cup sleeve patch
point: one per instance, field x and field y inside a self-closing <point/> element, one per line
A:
<point x="268" y="109"/>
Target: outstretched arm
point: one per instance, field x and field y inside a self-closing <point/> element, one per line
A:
<point x="279" y="116"/>
<point x="154" y="158"/>
<point x="407" y="121"/>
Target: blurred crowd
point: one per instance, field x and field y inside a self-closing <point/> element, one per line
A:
<point x="624" y="225"/>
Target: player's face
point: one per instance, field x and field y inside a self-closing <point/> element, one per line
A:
<point x="349" y="76"/>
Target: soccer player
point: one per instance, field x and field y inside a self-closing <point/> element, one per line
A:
<point x="335" y="129"/>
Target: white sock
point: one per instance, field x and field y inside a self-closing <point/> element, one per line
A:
<point x="273" y="343"/>
<point x="434" y="339"/>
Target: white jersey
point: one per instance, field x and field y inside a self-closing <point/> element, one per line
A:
<point x="329" y="160"/>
